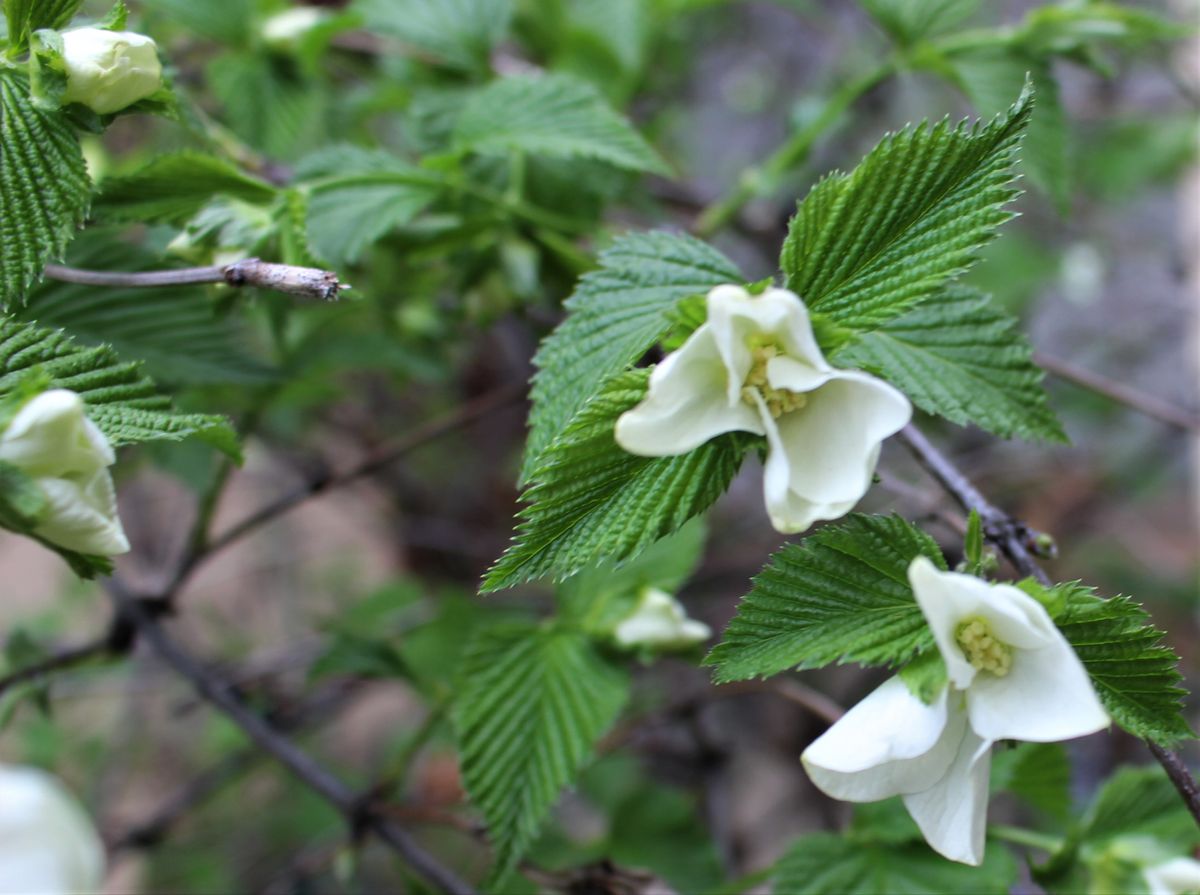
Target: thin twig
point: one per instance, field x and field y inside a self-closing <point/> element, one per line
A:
<point x="360" y="814"/>
<point x="1015" y="540"/>
<point x="1121" y="393"/>
<point x="1178" y="771"/>
<point x="59" y="661"/>
<point x="308" y="282"/>
<point x="436" y="428"/>
<point x="153" y="829"/>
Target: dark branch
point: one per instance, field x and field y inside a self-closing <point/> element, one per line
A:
<point x="1019" y="544"/>
<point x="1151" y="406"/>
<point x="359" y="814"/>
<point x="1016" y="540"/>
<point x="308" y="282"/>
<point x="434" y="429"/>
<point x="153" y="829"/>
<point x="59" y="661"/>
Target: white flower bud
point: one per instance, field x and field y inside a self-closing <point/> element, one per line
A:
<point x="47" y="843"/>
<point x="52" y="441"/>
<point x="660" y="622"/>
<point x="1175" y="877"/>
<point x="285" y="28"/>
<point x="109" y="70"/>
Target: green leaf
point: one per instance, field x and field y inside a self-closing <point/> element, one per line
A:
<point x="1072" y="29"/>
<point x="21" y="500"/>
<point x="228" y="22"/>
<point x="598" y="598"/>
<point x="958" y="356"/>
<point x="47" y="70"/>
<point x="925" y="676"/>
<point x="864" y="247"/>
<point x="591" y="501"/>
<point x="370" y="197"/>
<point x="1038" y="773"/>
<point x="175" y="330"/>
<point x="1137" y="817"/>
<point x="45" y="188"/>
<point x="840" y="595"/>
<point x="115" y="18"/>
<point x="989" y="77"/>
<point x="1139" y="801"/>
<point x="126" y="405"/>
<point x="1135" y="674"/>
<point x="26" y="16"/>
<point x="555" y="116"/>
<point x="531" y="705"/>
<point x="268" y="103"/>
<point x="615" y="314"/>
<point x="908" y="21"/>
<point x="459" y="33"/>
<point x="826" y="864"/>
<point x="172" y="188"/>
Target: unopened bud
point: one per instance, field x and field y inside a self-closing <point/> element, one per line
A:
<point x="285" y="28"/>
<point x="51" y="440"/>
<point x="109" y="70"/>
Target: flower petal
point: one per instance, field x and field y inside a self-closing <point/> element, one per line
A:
<point x="790" y="512"/>
<point x="777" y="316"/>
<point x="890" y="743"/>
<point x="81" y="515"/>
<point x="948" y="598"/>
<point x="50" y="435"/>
<point x="1174" y="877"/>
<point x="952" y="814"/>
<point x="833" y="441"/>
<point x="686" y="403"/>
<point x="47" y="843"/>
<point x="795" y="376"/>
<point x="659" y="620"/>
<point x="1045" y="697"/>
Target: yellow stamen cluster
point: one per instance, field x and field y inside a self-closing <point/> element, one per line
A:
<point x="981" y="647"/>
<point x="778" y="400"/>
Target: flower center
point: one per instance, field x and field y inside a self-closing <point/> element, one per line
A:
<point x="778" y="400"/>
<point x="982" y="648"/>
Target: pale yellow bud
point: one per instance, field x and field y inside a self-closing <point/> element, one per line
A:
<point x="109" y="70"/>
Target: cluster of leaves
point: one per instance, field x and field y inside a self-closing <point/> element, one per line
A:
<point x="989" y="64"/>
<point x="476" y="206"/>
<point x="46" y="195"/>
<point x="873" y="253"/>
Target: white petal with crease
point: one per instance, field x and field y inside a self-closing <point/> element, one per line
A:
<point x="1046" y="696"/>
<point x="952" y="814"/>
<point x="686" y="404"/>
<point x="890" y="743"/>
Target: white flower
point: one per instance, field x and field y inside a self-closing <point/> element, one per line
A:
<point x="1179" y="876"/>
<point x="51" y="440"/>
<point x="285" y="28"/>
<point x="1012" y="675"/>
<point x="659" y="621"/>
<point x="48" y="845"/>
<point x="109" y="70"/>
<point x="755" y="366"/>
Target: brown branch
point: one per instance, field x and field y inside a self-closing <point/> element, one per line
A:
<point x="59" y="661"/>
<point x="153" y="829"/>
<point x="360" y="814"/>
<point x="1133" y="398"/>
<point x="307" y="282"/>
<point x="1015" y="539"/>
<point x="1178" y="771"/>
<point x="434" y="429"/>
<point x="1018" y="542"/>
